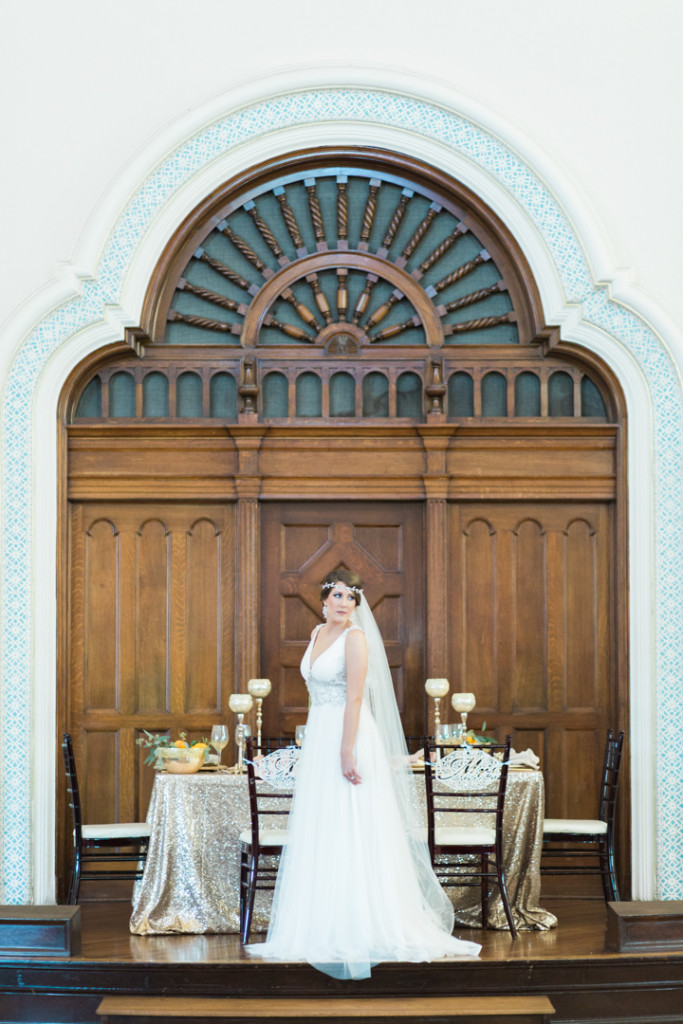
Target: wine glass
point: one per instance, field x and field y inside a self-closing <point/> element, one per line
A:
<point x="443" y="733"/>
<point x="219" y="739"/>
<point x="299" y="735"/>
<point x="457" y="734"/>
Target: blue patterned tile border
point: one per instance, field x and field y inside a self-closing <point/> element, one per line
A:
<point x="517" y="178"/>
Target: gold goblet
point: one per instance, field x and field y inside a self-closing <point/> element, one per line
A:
<point x="462" y="703"/>
<point x="437" y="688"/>
<point x="240" y="703"/>
<point x="259" y="688"/>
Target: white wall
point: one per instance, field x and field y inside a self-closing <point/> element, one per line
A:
<point x="594" y="84"/>
<point x="585" y="87"/>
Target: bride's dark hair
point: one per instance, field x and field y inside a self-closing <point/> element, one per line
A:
<point x="345" y="576"/>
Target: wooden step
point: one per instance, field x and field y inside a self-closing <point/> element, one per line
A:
<point x="463" y="1009"/>
<point x="652" y="926"/>
<point x="36" y="931"/>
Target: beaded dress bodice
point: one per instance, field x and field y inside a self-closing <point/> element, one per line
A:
<point x="326" y="678"/>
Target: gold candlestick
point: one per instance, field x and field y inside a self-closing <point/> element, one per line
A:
<point x="240" y="703"/>
<point x="259" y="688"/>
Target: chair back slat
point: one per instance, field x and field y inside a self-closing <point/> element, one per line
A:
<point x="72" y="785"/>
<point x="263" y="793"/>
<point x="609" y="782"/>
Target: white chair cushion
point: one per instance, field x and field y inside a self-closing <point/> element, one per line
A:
<point x="452" y="835"/>
<point x="117" y="830"/>
<point x="586" y="826"/>
<point x="267" y="837"/>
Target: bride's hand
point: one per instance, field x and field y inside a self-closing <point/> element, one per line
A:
<point x="348" y="766"/>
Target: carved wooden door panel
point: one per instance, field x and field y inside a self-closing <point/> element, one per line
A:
<point x="301" y="543"/>
<point x="531" y="598"/>
<point x="151" y="640"/>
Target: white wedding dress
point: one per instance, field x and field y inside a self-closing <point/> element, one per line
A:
<point x="348" y="894"/>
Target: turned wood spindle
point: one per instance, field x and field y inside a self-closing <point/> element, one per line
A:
<point x="342" y="294"/>
<point x="248" y="388"/>
<point x="382" y="310"/>
<point x="315" y="212"/>
<point x="435" y="388"/>
<point x="395" y="222"/>
<point x="457" y="275"/>
<point x="213" y="297"/>
<point x="224" y="270"/>
<point x="369" y="212"/>
<point x="391" y="332"/>
<point x="202" y="321"/>
<point x="289" y="329"/>
<point x="443" y="247"/>
<point x="303" y="311"/>
<point x="319" y="296"/>
<point x="263" y="229"/>
<point x="364" y="298"/>
<point x="420" y="231"/>
<point x="290" y="220"/>
<point x="478" y="325"/>
<point x="242" y="247"/>
<point x="342" y="209"/>
<point x="478" y="296"/>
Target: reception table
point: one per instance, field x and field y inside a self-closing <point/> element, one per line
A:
<point x="191" y="878"/>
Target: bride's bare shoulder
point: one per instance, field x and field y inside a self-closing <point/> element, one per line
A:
<point x="356" y="636"/>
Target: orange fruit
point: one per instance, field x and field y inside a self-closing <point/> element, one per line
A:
<point x="179" y="743"/>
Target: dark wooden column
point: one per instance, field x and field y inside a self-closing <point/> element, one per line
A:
<point x="436" y="442"/>
<point x="247" y="557"/>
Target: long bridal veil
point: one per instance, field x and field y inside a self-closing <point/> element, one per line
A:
<point x="379" y="692"/>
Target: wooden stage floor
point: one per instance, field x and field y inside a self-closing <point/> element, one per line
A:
<point x="569" y="964"/>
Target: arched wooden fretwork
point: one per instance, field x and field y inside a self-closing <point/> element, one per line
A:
<point x="343" y="249"/>
<point x="366" y="260"/>
<point x="342" y="358"/>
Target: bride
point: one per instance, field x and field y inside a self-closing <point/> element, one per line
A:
<point x="355" y="884"/>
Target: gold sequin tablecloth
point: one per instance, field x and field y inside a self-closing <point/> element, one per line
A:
<point x="191" y="878"/>
<point x="522" y="845"/>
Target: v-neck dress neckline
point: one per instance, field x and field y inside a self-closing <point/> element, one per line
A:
<point x="312" y="662"/>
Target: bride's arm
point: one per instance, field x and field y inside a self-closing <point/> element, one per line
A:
<point x="356" y="670"/>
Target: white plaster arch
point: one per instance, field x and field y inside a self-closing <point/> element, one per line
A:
<point x="102" y="293"/>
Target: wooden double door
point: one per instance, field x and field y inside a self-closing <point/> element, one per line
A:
<point x="524" y="597"/>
